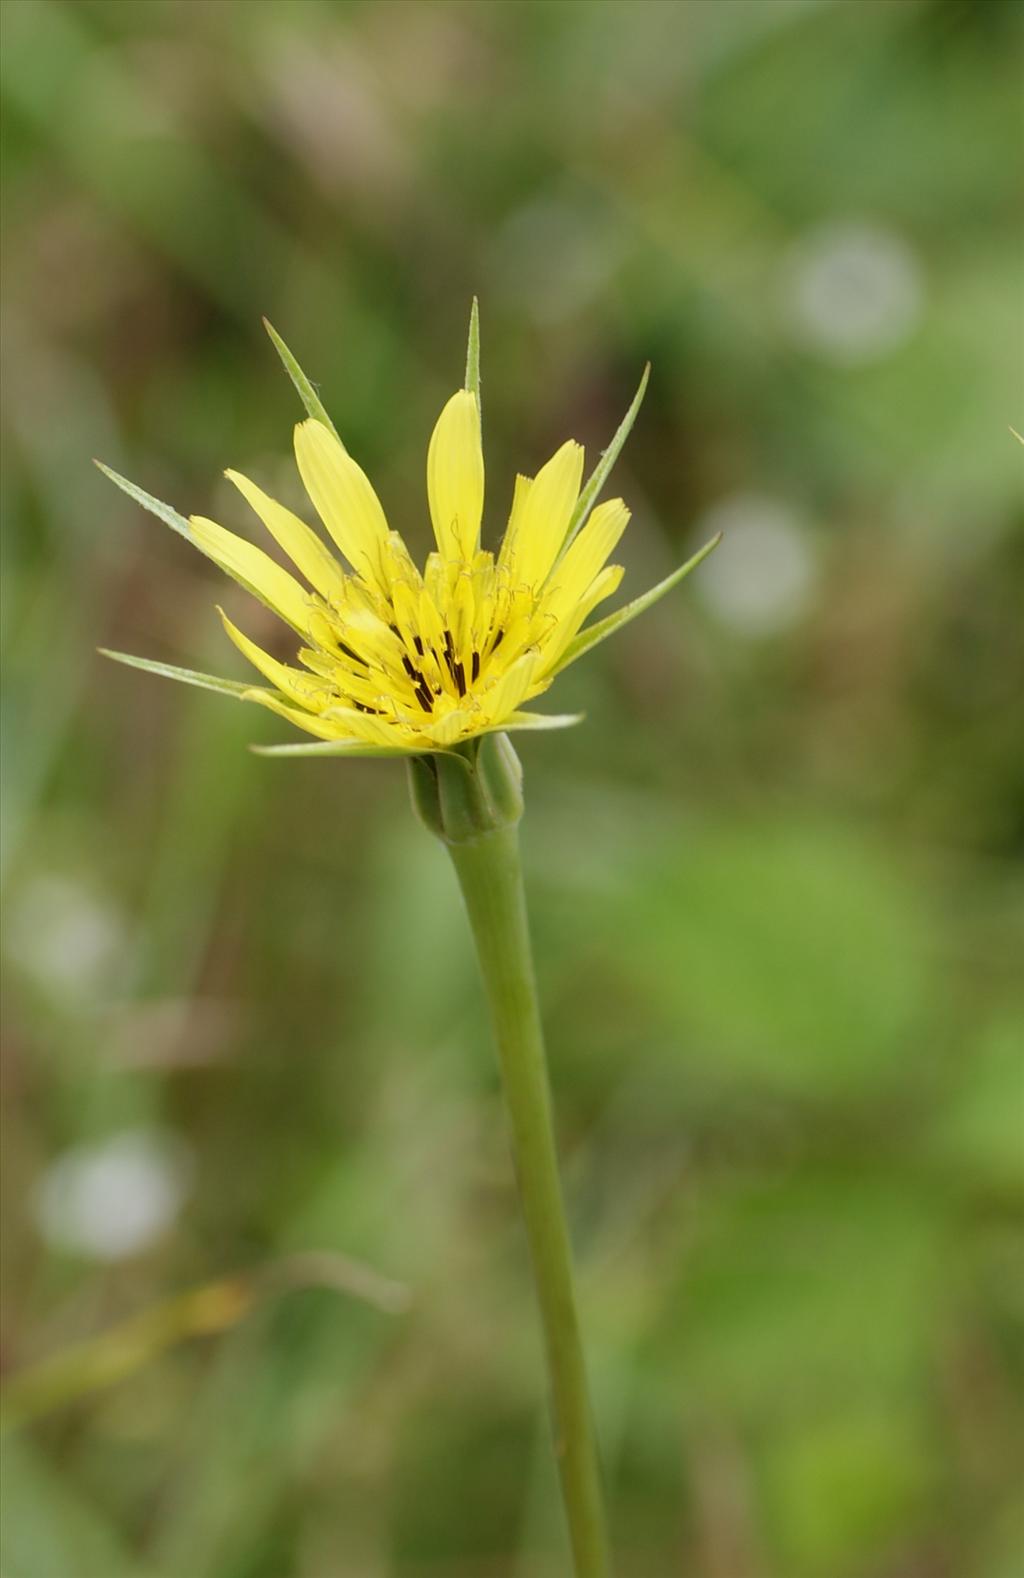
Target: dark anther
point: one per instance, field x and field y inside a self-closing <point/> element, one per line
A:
<point x="424" y="697"/>
<point x="418" y="644"/>
<point x="410" y="668"/>
<point x="459" y="676"/>
<point x="361" y="707"/>
<point x="448" y="642"/>
<point x="498" y="640"/>
<point x="475" y="670"/>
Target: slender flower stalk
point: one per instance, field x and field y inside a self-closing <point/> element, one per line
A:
<point x="438" y="666"/>
<point x="473" y="803"/>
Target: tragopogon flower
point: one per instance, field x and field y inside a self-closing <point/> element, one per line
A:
<point x="392" y="661"/>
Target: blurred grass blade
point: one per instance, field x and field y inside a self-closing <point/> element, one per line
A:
<point x="313" y="1268"/>
<point x="156" y="507"/>
<point x="99" y="1362"/>
<point x="54" y="1526"/>
<point x="307" y="393"/>
<point x="187" y="676"/>
<point x="91" y="1366"/>
<point x="473" y="351"/>
<point x="599" y="476"/>
<point x="607" y="627"/>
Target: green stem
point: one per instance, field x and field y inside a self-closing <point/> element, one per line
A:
<point x="490" y="876"/>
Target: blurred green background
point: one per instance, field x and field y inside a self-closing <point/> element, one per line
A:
<point x="775" y="877"/>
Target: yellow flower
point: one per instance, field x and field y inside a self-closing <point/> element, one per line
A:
<point x="395" y="661"/>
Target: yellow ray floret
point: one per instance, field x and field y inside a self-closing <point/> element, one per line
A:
<point x="455" y="478"/>
<point x="343" y="499"/>
<point x="392" y="661"/>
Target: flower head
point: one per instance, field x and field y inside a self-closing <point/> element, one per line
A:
<point x="392" y="660"/>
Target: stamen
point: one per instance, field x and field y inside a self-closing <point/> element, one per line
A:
<point x="454" y="667"/>
<point x="424" y="697"/>
<point x="475" y="668"/>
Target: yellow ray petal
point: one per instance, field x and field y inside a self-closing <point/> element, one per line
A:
<point x="455" y="477"/>
<point x="256" y="571"/>
<point x="430" y="622"/>
<point x="302" y="720"/>
<point x="344" y="500"/>
<point x="300" y="543"/>
<point x="513" y="687"/>
<point x="366" y="726"/>
<point x="398" y="563"/>
<point x="450" y="727"/>
<point x="405" y="604"/>
<point x="307" y="690"/>
<point x="558" y="649"/>
<point x="571" y="577"/>
<point x="546" y="512"/>
<point x="622" y="616"/>
<point x="521" y="493"/>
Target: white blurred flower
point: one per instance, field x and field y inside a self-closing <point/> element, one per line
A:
<point x="112" y="1199"/>
<point x="854" y="292"/>
<point x="763" y="574"/>
<point x="62" y="934"/>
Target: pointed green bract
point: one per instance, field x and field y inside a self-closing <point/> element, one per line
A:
<point x="187" y="676"/>
<point x="307" y="394"/>
<point x="178" y="523"/>
<point x="473" y="351"/>
<point x="163" y="512"/>
<point x="607" y="627"/>
<point x="599" y="476"/>
<point x="518" y="720"/>
<point x="331" y="748"/>
<point x="538" y="720"/>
